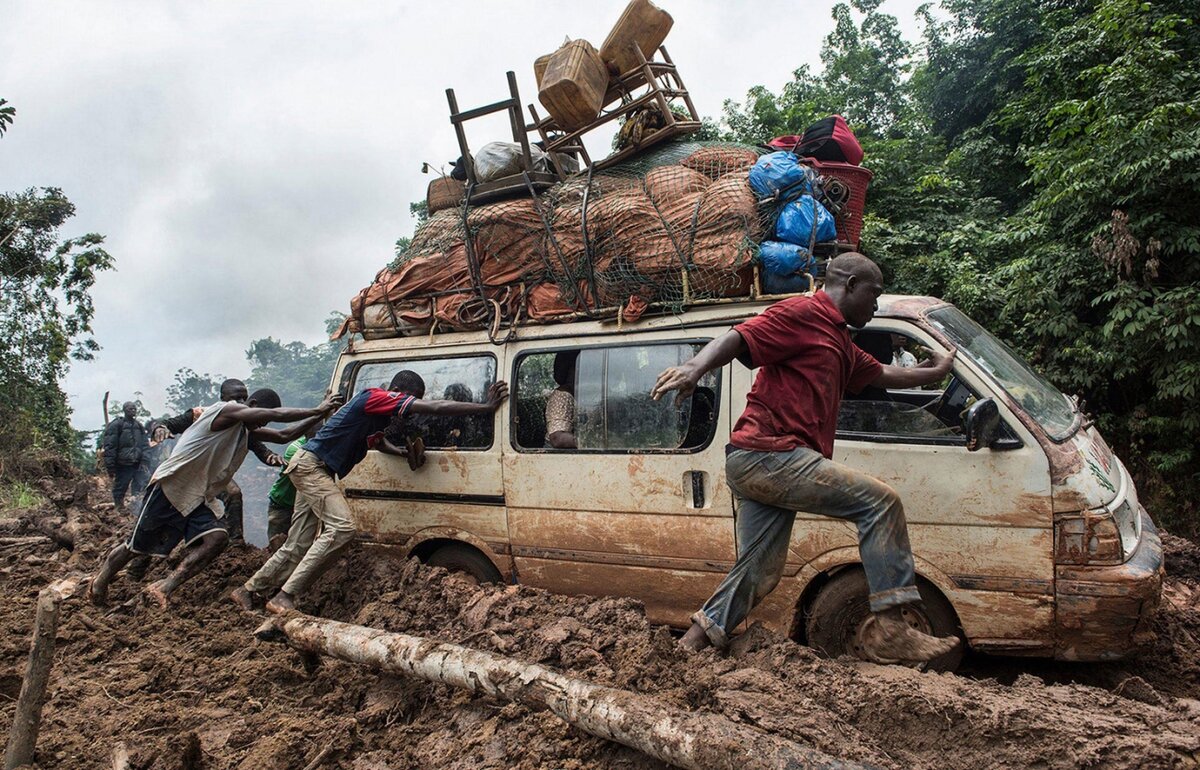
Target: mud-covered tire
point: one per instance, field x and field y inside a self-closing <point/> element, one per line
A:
<point x="458" y="557"/>
<point x="833" y="619"/>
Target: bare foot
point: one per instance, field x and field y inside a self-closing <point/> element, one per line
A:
<point x="695" y="639"/>
<point x="281" y="603"/>
<point x="243" y="598"/>
<point x="97" y="595"/>
<point x="155" y="593"/>
<point x="887" y="638"/>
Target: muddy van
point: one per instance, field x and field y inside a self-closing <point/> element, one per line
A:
<point x="1027" y="531"/>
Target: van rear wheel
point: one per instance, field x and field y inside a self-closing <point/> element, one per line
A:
<point x="834" y="621"/>
<point x="465" y="560"/>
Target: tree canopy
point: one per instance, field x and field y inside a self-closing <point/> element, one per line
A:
<point x="1036" y="164"/>
<point x="45" y="317"/>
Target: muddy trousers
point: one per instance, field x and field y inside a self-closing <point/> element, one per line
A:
<point x="769" y="488"/>
<point x="321" y="527"/>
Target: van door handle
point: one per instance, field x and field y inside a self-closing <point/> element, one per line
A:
<point x="697" y="489"/>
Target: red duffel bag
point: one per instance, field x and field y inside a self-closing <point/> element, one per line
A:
<point x="828" y="139"/>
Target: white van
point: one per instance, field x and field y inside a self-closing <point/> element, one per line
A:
<point x="1033" y="544"/>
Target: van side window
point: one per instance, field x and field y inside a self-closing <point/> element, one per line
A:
<point x="450" y="379"/>
<point x="926" y="415"/>
<point x="598" y="399"/>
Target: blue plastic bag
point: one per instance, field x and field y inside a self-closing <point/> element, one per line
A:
<point x="785" y="267"/>
<point x="780" y="171"/>
<point x="798" y="218"/>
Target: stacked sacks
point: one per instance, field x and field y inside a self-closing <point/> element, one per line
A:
<point x="677" y="225"/>
<point x="802" y="222"/>
<point x="718" y="161"/>
<point x="723" y="239"/>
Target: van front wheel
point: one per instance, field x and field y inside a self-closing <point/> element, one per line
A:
<point x="834" y="621"/>
<point x="468" y="561"/>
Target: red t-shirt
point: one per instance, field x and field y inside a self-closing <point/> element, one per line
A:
<point x="807" y="361"/>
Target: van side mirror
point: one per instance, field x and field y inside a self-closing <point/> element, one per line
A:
<point x="982" y="424"/>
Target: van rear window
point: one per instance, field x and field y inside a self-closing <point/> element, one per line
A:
<point x="598" y="399"/>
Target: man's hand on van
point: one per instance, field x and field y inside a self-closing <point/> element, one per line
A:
<point x="332" y="403"/>
<point x="682" y="378"/>
<point x="496" y="394"/>
<point x="712" y="356"/>
<point x="939" y="362"/>
<point x="930" y="371"/>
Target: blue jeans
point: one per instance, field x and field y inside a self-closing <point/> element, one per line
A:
<point x="770" y="487"/>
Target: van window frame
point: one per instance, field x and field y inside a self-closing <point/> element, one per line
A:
<point x="358" y="364"/>
<point x="907" y="329"/>
<point x="512" y="428"/>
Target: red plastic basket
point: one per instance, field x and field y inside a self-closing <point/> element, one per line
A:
<point x="856" y="178"/>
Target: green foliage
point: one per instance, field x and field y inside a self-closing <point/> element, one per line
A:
<point x="20" y="496"/>
<point x="1037" y="164"/>
<point x="190" y="389"/>
<point x="45" y="318"/>
<point x="299" y="373"/>
<point x="7" y="114"/>
<point x="1110" y="125"/>
<point x="862" y="79"/>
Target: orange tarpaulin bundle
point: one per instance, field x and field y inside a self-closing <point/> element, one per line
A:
<point x="675" y="225"/>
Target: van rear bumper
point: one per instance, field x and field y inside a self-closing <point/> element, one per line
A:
<point x="1107" y="613"/>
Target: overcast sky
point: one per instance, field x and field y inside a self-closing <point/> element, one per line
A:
<point x="251" y="163"/>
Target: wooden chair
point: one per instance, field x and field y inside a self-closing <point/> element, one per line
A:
<point x="528" y="180"/>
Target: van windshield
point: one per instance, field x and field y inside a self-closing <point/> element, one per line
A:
<point x="1041" y="400"/>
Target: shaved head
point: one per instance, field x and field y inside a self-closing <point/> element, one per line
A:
<point x="841" y="268"/>
<point x="854" y="283"/>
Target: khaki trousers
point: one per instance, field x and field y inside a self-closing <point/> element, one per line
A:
<point x="321" y="527"/>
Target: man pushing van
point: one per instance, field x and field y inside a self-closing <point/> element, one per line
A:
<point x="181" y="500"/>
<point x="330" y="455"/>
<point x="779" y="457"/>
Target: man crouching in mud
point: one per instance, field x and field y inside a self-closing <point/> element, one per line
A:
<point x="181" y="499"/>
<point x="779" y="457"/>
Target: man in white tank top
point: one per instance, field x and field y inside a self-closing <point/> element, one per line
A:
<point x="181" y="501"/>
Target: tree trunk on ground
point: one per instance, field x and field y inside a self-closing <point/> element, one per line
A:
<point x="27" y="720"/>
<point x="683" y="738"/>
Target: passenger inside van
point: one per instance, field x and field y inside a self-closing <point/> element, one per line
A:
<point x="560" y="406"/>
<point x="879" y="346"/>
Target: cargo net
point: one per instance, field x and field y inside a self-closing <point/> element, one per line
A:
<point x="675" y="226"/>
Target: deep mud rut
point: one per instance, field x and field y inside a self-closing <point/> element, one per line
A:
<point x="193" y="689"/>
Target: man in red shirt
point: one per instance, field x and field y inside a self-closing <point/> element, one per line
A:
<point x="778" y="460"/>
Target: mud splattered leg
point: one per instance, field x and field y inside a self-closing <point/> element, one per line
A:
<point x="198" y="558"/>
<point x="117" y="558"/>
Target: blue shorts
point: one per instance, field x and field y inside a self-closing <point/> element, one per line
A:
<point x="159" y="527"/>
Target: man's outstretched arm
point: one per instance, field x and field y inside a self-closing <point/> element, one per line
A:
<point x="496" y="395"/>
<point x="684" y="377"/>
<point x="283" y="436"/>
<point x="234" y="412"/>
<point x="929" y="371"/>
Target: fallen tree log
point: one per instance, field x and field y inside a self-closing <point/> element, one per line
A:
<point x="683" y="738"/>
<point x="27" y="720"/>
<point x="28" y="540"/>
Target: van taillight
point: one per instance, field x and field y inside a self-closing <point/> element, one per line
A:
<point x="1088" y="537"/>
